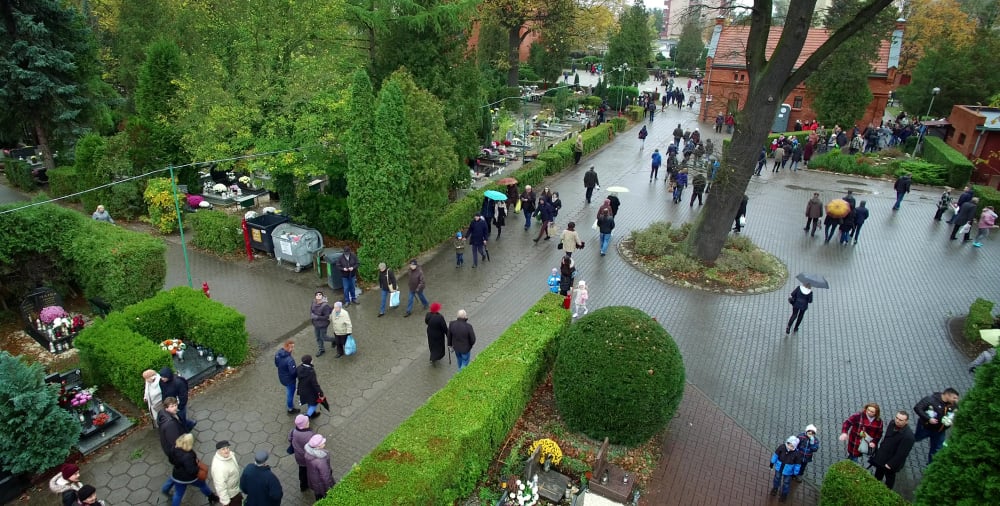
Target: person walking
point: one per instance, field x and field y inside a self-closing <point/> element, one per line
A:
<point x="567" y="273"/>
<point x="678" y="133"/>
<point x="943" y="203"/>
<point x="847" y="226"/>
<point x="87" y="496"/>
<point x="964" y="216"/>
<point x="461" y="338"/>
<point x="340" y="322"/>
<point x="590" y="181"/>
<point x="319" y="314"/>
<point x="347" y="264"/>
<point x="259" y="484"/>
<point x="176" y="386"/>
<point x="547" y="213"/>
<point x="298" y="437"/>
<point x="830" y="224"/>
<point x="808" y="446"/>
<point x="679" y="185"/>
<point x="170" y="428"/>
<point x="101" y="214"/>
<point x="615" y="203"/>
<point x="657" y="160"/>
<point x="814" y="211"/>
<point x="966" y="196"/>
<point x="459" y="242"/>
<point x="578" y="149"/>
<point x="66" y="483"/>
<point x="741" y="214"/>
<point x="287" y="373"/>
<point x="902" y="187"/>
<point x="895" y="448"/>
<point x="387" y="283"/>
<point x="309" y="389"/>
<point x="478" y="233"/>
<point x="569" y="240"/>
<point x="935" y="415"/>
<point x="437" y="333"/>
<point x="862" y="431"/>
<point x="987" y="222"/>
<point x="643" y="133"/>
<point x="152" y="394"/>
<point x="185" y="470"/>
<point x="786" y="462"/>
<point x="416" y="285"/>
<point x="500" y="219"/>
<point x="318" y="466"/>
<point x="698" y="184"/>
<point x="860" y="217"/>
<point x="761" y="161"/>
<point x="225" y="472"/>
<point x="605" y="224"/>
<point x="800" y="299"/>
<point x="580" y="298"/>
<point x="779" y="155"/>
<point x="527" y="200"/>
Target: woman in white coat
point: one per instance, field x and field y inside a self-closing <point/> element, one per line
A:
<point x="153" y="396"/>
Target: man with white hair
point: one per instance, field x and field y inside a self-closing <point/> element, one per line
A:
<point x="461" y="338"/>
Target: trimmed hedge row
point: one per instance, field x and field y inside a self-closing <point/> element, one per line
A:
<point x="63" y="181"/>
<point x="438" y="455"/>
<point x="114" y="263"/>
<point x="19" y="174"/>
<point x="988" y="196"/>
<point x="959" y="168"/>
<point x="116" y="350"/>
<point x="980" y="317"/>
<point x="216" y="231"/>
<point x="848" y="484"/>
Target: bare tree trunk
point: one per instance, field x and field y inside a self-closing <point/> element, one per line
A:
<point x="513" y="54"/>
<point x="43" y="143"/>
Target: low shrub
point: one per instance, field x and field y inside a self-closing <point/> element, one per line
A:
<point x="216" y="231"/>
<point x="653" y="240"/>
<point x="739" y="243"/>
<point x="619" y="124"/>
<point x="923" y="172"/>
<point x="980" y="317"/>
<point x="19" y="175"/>
<point x="959" y="168"/>
<point x="618" y="374"/>
<point x="847" y="484"/>
<point x="988" y="196"/>
<point x="835" y="161"/>
<point x="112" y="354"/>
<point x="439" y="454"/>
<point x="677" y="262"/>
<point x="160" y="203"/>
<point x="211" y="323"/>
<point x="63" y="181"/>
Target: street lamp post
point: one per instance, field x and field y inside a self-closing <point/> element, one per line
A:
<point x="934" y="94"/>
<point x="923" y="129"/>
<point x="623" y="68"/>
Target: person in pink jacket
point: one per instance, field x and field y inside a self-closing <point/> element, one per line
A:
<point x="987" y="221"/>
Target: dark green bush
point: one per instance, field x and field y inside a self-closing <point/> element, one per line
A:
<point x="965" y="471"/>
<point x="618" y="374"/>
<point x="19" y="175"/>
<point x="439" y="454"/>
<point x="112" y="354"/>
<point x="653" y="240"/>
<point x="980" y="317"/>
<point x="37" y="433"/>
<point x="959" y="168"/>
<point x="619" y="124"/>
<point x="621" y="95"/>
<point x="847" y="484"/>
<point x="154" y="318"/>
<point x="63" y="181"/>
<point x="988" y="196"/>
<point x="216" y="231"/>
<point x="923" y="172"/>
<point x="211" y="323"/>
<point x="835" y="161"/>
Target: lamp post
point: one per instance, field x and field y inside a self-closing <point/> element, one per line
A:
<point x="923" y="129"/>
<point x="623" y="68"/>
<point x="934" y="94"/>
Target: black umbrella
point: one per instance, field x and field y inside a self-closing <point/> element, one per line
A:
<point x="814" y="280"/>
<point x="487" y="254"/>
<point x="325" y="403"/>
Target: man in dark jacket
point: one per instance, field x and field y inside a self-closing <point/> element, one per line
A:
<point x="386" y="282"/>
<point x="176" y="387"/>
<point x="964" y="215"/>
<point x="259" y="484"/>
<point x="461" y="338"/>
<point x="963" y="198"/>
<point x="860" y="216"/>
<point x="590" y="181"/>
<point x="814" y="211"/>
<point x="698" y="188"/>
<point x="170" y="428"/>
<point x="934" y="416"/>
<point x="347" y="265"/>
<point x="319" y="314"/>
<point x="478" y="233"/>
<point x="678" y="133"/>
<point x="605" y="224"/>
<point x="892" y="452"/>
<point x="527" y="205"/>
<point x="285" y="363"/>
<point x="902" y="187"/>
<point x="547" y="214"/>
<point x="417" y="285"/>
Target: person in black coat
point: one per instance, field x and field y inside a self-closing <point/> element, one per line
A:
<point x="259" y="484"/>
<point x="847" y="226"/>
<point x="567" y="271"/>
<point x="387" y="283"/>
<point x="309" y="389"/>
<point x="437" y="332"/>
<point x="800" y="299"/>
<point x="500" y="218"/>
<point x="741" y="213"/>
<point x="698" y="186"/>
<point x="176" y="387"/>
<point x="964" y="215"/>
<point x="963" y="198"/>
<point x="902" y="187"/>
<point x="892" y="452"/>
<point x="547" y="214"/>
<point x="461" y="338"/>
<point x="185" y="470"/>
<point x="590" y="180"/>
<point x="860" y="217"/>
<point x="170" y="428"/>
<point x="615" y="204"/>
<point x="830" y="225"/>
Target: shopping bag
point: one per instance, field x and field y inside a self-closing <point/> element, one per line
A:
<point x="517" y="207"/>
<point x="743" y="221"/>
<point x="594" y="226"/>
<point x="394" y="299"/>
<point x="350" y="346"/>
<point x="965" y="229"/>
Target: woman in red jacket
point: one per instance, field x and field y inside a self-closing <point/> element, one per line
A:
<point x="863" y="426"/>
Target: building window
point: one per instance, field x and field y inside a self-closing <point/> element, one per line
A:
<point x="961" y="139"/>
<point x="736" y="76"/>
<point x="797" y="103"/>
<point x="742" y="77"/>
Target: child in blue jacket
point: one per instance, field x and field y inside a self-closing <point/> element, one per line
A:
<point x="808" y="445"/>
<point x="786" y="462"/>
<point x="553" y="281"/>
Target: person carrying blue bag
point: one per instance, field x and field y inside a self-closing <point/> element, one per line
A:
<point x="786" y="462"/>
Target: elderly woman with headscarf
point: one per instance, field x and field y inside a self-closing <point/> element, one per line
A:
<point x="152" y="395"/>
<point x="340" y="325"/>
<point x="437" y="331"/>
<point x="318" y="466"/>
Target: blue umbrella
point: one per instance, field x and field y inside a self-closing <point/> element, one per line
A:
<point x="494" y="195"/>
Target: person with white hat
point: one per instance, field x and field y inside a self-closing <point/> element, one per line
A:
<point x="808" y="445"/>
<point x="786" y="462"/>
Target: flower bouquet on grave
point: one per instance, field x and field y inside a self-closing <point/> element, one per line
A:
<point x="82" y="398"/>
<point x="101" y="419"/>
<point x="48" y="314"/>
<point x="173" y="346"/>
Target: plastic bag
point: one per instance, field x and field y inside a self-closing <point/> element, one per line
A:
<point x="350" y="346"/>
<point x="394" y="299"/>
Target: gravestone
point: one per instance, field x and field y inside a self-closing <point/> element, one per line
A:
<point x="551" y="484"/>
<point x="619" y="483"/>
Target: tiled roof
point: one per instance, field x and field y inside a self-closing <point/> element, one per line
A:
<point x="731" y="50"/>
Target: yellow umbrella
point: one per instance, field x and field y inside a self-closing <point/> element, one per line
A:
<point x="838" y="208"/>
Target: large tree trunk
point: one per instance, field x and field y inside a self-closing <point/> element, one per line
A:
<point x="513" y="54"/>
<point x="43" y="144"/>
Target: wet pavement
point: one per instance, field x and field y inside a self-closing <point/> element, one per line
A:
<point x="877" y="335"/>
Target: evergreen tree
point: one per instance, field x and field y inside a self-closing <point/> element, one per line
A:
<point x="157" y="86"/>
<point x="690" y="47"/>
<point x="966" y="75"/>
<point x="37" y="433"/>
<point x="631" y="44"/>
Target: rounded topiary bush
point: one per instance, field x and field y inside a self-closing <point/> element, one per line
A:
<point x="618" y="375"/>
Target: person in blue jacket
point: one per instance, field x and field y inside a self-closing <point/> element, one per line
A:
<point x="808" y="446"/>
<point x="786" y="462"/>
<point x="553" y="281"/>
<point x="800" y="299"/>
<point x="287" y="374"/>
<point x="654" y="170"/>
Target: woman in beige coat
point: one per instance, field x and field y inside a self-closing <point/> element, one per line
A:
<point x="570" y="239"/>
<point x="225" y="472"/>
<point x="340" y="325"/>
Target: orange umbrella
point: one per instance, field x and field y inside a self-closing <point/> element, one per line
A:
<point x="838" y="208"/>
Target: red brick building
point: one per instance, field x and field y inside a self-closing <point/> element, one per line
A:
<point x="726" y="80"/>
<point x="975" y="132"/>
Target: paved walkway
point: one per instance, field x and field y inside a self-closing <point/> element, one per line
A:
<point x="877" y="335"/>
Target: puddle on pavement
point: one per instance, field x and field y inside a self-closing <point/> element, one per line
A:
<point x="797" y="187"/>
<point x="851" y="181"/>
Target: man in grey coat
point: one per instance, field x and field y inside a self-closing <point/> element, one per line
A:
<point x="461" y="338"/>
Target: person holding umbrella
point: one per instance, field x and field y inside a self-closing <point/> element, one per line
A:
<point x="310" y="393"/>
<point x="801" y="297"/>
<point x="500" y="219"/>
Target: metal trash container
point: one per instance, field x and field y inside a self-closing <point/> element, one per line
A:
<point x="324" y="264"/>
<point x="261" y="229"/>
<point x="296" y="244"/>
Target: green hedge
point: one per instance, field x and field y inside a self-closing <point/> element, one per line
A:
<point x="19" y="175"/>
<point x="836" y="161"/>
<point x="980" y="317"/>
<point x="63" y="181"/>
<point x="439" y="454"/>
<point x="621" y="94"/>
<point x="988" y="196"/>
<point x="933" y="174"/>
<point x="847" y="484"/>
<point x="959" y="168"/>
<point x="115" y="351"/>
<point x="216" y="231"/>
